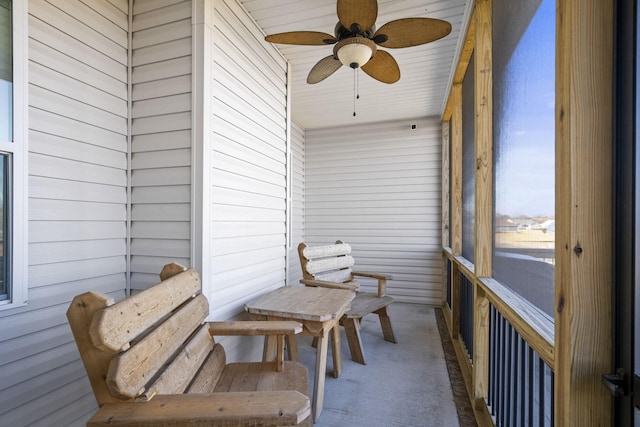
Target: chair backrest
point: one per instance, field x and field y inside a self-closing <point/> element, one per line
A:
<point x="329" y="263"/>
<point x="151" y="343"/>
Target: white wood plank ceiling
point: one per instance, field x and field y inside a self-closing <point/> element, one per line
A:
<point x="426" y="70"/>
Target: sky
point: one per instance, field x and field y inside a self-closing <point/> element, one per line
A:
<point x="525" y="144"/>
<point x="6" y="110"/>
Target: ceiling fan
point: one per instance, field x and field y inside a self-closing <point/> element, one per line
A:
<point x="356" y="40"/>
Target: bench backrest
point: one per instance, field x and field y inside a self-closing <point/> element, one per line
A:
<point x="329" y="263"/>
<point x="151" y="343"/>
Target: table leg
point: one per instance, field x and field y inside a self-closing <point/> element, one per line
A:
<point x="321" y="373"/>
<point x="335" y="351"/>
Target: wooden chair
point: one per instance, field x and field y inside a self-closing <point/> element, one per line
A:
<point x="151" y="361"/>
<point x="331" y="266"/>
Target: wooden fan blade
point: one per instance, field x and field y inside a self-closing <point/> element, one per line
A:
<point x="323" y="69"/>
<point x="383" y="67"/>
<point x="361" y="12"/>
<point x="307" y="38"/>
<point x="412" y="32"/>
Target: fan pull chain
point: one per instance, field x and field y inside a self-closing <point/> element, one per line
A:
<point x="356" y="89"/>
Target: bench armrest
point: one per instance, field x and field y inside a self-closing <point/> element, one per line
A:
<point x="255" y="327"/>
<point x="334" y="285"/>
<point x="233" y="409"/>
<point x="259" y="327"/>
<point x="381" y="278"/>
<point x="378" y="276"/>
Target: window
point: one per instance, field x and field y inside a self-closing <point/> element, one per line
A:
<point x="5" y="236"/>
<point x="6" y="72"/>
<point x="524" y="148"/>
<point x="12" y="153"/>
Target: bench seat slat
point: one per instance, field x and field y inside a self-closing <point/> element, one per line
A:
<point x="274" y="408"/>
<point x="339" y="276"/>
<point x="328" y="264"/>
<point x="114" y="327"/>
<point x="367" y="303"/>
<point x="205" y="380"/>
<point x="313" y="252"/>
<point x="176" y="377"/>
<point x="263" y="377"/>
<point x="130" y="371"/>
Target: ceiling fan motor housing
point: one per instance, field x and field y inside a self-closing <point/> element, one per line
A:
<point x="342" y="32"/>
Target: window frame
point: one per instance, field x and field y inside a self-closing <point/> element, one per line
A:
<point x="18" y="149"/>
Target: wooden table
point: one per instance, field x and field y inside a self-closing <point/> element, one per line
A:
<point x="319" y="310"/>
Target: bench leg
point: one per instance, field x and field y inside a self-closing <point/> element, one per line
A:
<point x="270" y="348"/>
<point x="292" y="348"/>
<point x="272" y="345"/>
<point x="352" y="330"/>
<point x="385" y="322"/>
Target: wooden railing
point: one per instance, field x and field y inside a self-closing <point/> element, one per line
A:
<point x="505" y="347"/>
<point x="466" y="314"/>
<point x="520" y="383"/>
<point x="447" y="279"/>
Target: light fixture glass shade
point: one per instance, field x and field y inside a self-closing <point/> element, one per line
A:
<point x="354" y="55"/>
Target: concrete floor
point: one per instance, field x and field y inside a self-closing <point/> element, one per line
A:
<point x="403" y="384"/>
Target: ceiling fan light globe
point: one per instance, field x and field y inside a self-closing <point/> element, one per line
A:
<point x="354" y="55"/>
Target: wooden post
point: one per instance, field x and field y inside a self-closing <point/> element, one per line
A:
<point x="483" y="230"/>
<point x="446" y="143"/>
<point x="456" y="169"/>
<point x="456" y="202"/>
<point x="483" y="246"/>
<point x="583" y="278"/>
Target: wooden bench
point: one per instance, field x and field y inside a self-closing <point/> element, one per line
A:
<point x="151" y="360"/>
<point x="331" y="266"/>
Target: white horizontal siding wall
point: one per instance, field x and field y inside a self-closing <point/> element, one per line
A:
<point x="161" y="138"/>
<point x="248" y="163"/>
<point x="241" y="164"/>
<point x="77" y="203"/>
<point x="78" y="179"/>
<point x="296" y="227"/>
<point x="377" y="187"/>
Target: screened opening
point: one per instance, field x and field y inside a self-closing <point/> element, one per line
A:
<point x="449" y="242"/>
<point x="524" y="148"/>
<point x="468" y="164"/>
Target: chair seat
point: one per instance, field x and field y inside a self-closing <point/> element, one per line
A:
<point x="262" y="376"/>
<point x="365" y="303"/>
